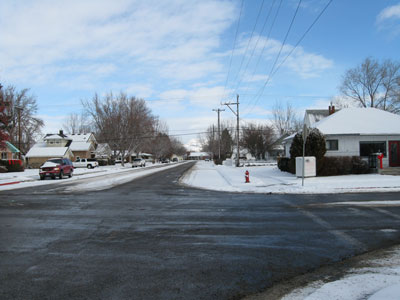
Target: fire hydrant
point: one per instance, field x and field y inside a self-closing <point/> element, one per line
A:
<point x="380" y="157"/>
<point x="247" y="176"/>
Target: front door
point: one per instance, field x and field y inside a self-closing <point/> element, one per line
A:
<point x="394" y="153"/>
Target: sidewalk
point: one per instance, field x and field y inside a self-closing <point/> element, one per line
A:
<point x="371" y="276"/>
<point x="269" y="179"/>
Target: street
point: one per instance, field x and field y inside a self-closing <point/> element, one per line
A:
<point x="155" y="239"/>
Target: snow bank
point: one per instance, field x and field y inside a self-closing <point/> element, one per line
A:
<point x="269" y="179"/>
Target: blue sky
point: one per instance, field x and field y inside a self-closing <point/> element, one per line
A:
<point x="181" y="55"/>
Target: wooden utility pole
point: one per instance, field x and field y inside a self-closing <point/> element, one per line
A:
<point x="19" y="108"/>
<point x="237" y="126"/>
<point x="219" y="132"/>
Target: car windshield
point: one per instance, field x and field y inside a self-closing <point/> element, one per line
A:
<point x="56" y="161"/>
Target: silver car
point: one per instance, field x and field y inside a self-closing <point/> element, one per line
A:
<point x="138" y="162"/>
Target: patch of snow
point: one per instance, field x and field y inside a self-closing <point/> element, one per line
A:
<point x="269" y="179"/>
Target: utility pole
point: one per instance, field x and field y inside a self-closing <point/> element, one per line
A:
<point x="219" y="133"/>
<point x="237" y="126"/>
<point x="19" y="108"/>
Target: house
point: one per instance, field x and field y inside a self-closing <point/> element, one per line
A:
<point x="9" y="151"/>
<point x="83" y="145"/>
<point x="51" y="146"/>
<point x="103" y="152"/>
<point x="198" y="156"/>
<point x="359" y="132"/>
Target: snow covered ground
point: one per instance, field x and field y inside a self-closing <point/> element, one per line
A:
<point x="379" y="280"/>
<point x="376" y="279"/>
<point x="106" y="177"/>
<point x="269" y="179"/>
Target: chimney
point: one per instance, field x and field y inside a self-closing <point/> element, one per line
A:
<point x="331" y="109"/>
<point x="61" y="132"/>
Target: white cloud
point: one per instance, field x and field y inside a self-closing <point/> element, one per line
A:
<point x="303" y="63"/>
<point x="174" y="39"/>
<point x="391" y="12"/>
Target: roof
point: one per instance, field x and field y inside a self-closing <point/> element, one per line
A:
<point x="12" y="148"/>
<point x="80" y="146"/>
<point x="55" y="137"/>
<point x="313" y="116"/>
<point x="360" y="121"/>
<point x="47" y="152"/>
<point x="198" y="154"/>
<point x="81" y="137"/>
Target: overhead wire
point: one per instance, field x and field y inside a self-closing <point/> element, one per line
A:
<point x="278" y="55"/>
<point x="248" y="43"/>
<point x="293" y="49"/>
<point x="255" y="46"/>
<point x="234" y="46"/>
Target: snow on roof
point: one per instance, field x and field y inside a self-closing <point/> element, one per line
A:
<point x="313" y="116"/>
<point x="55" y="137"/>
<point x="198" y="154"/>
<point x="80" y="137"/>
<point x="80" y="146"/>
<point x="47" y="152"/>
<point x="363" y="121"/>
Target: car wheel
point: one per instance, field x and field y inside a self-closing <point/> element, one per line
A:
<point x="70" y="174"/>
<point x="89" y="166"/>
<point x="41" y="177"/>
<point x="53" y="176"/>
<point x="61" y="175"/>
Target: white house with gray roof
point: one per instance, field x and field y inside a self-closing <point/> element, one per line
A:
<point x="359" y="132"/>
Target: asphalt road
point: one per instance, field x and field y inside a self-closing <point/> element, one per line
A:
<point x="154" y="239"/>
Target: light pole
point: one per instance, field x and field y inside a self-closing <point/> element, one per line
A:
<point x="219" y="133"/>
<point x="19" y="108"/>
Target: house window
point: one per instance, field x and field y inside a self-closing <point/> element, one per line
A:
<point x="368" y="148"/>
<point x="332" y="145"/>
<point x="3" y="155"/>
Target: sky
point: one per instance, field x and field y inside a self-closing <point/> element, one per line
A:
<point x="187" y="57"/>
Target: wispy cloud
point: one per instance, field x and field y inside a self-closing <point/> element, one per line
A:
<point x="174" y="39"/>
<point x="388" y="20"/>
<point x="391" y="12"/>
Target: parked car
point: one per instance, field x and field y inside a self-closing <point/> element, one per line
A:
<point x="89" y="163"/>
<point x="56" y="167"/>
<point x="138" y="162"/>
<point x="165" y="160"/>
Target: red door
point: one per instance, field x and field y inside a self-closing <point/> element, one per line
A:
<point x="394" y="153"/>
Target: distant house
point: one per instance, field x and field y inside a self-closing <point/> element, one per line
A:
<point x="51" y="146"/>
<point x="9" y="151"/>
<point x="103" y="152"/>
<point x="198" y="156"/>
<point x="359" y="132"/>
<point x="83" y="145"/>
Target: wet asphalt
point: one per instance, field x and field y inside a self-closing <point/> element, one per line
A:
<point x="155" y="239"/>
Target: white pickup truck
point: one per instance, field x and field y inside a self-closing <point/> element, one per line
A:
<point x="85" y="163"/>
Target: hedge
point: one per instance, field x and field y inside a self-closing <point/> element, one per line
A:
<point x="330" y="166"/>
<point x="13" y="165"/>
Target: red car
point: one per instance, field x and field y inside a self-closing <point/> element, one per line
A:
<point x="56" y="167"/>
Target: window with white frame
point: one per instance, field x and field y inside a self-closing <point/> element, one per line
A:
<point x="332" y="145"/>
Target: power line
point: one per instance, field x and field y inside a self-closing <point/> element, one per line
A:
<point x="234" y="45"/>
<point x="251" y="37"/>
<point x="279" y="54"/>
<point x="256" y="44"/>
<point x="290" y="53"/>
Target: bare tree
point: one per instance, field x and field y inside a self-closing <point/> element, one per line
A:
<point x="23" y="107"/>
<point x="121" y="121"/>
<point x="286" y="121"/>
<point x="4" y="119"/>
<point x="374" y="84"/>
<point x="77" y="123"/>
<point x="258" y="139"/>
<point x="209" y="140"/>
